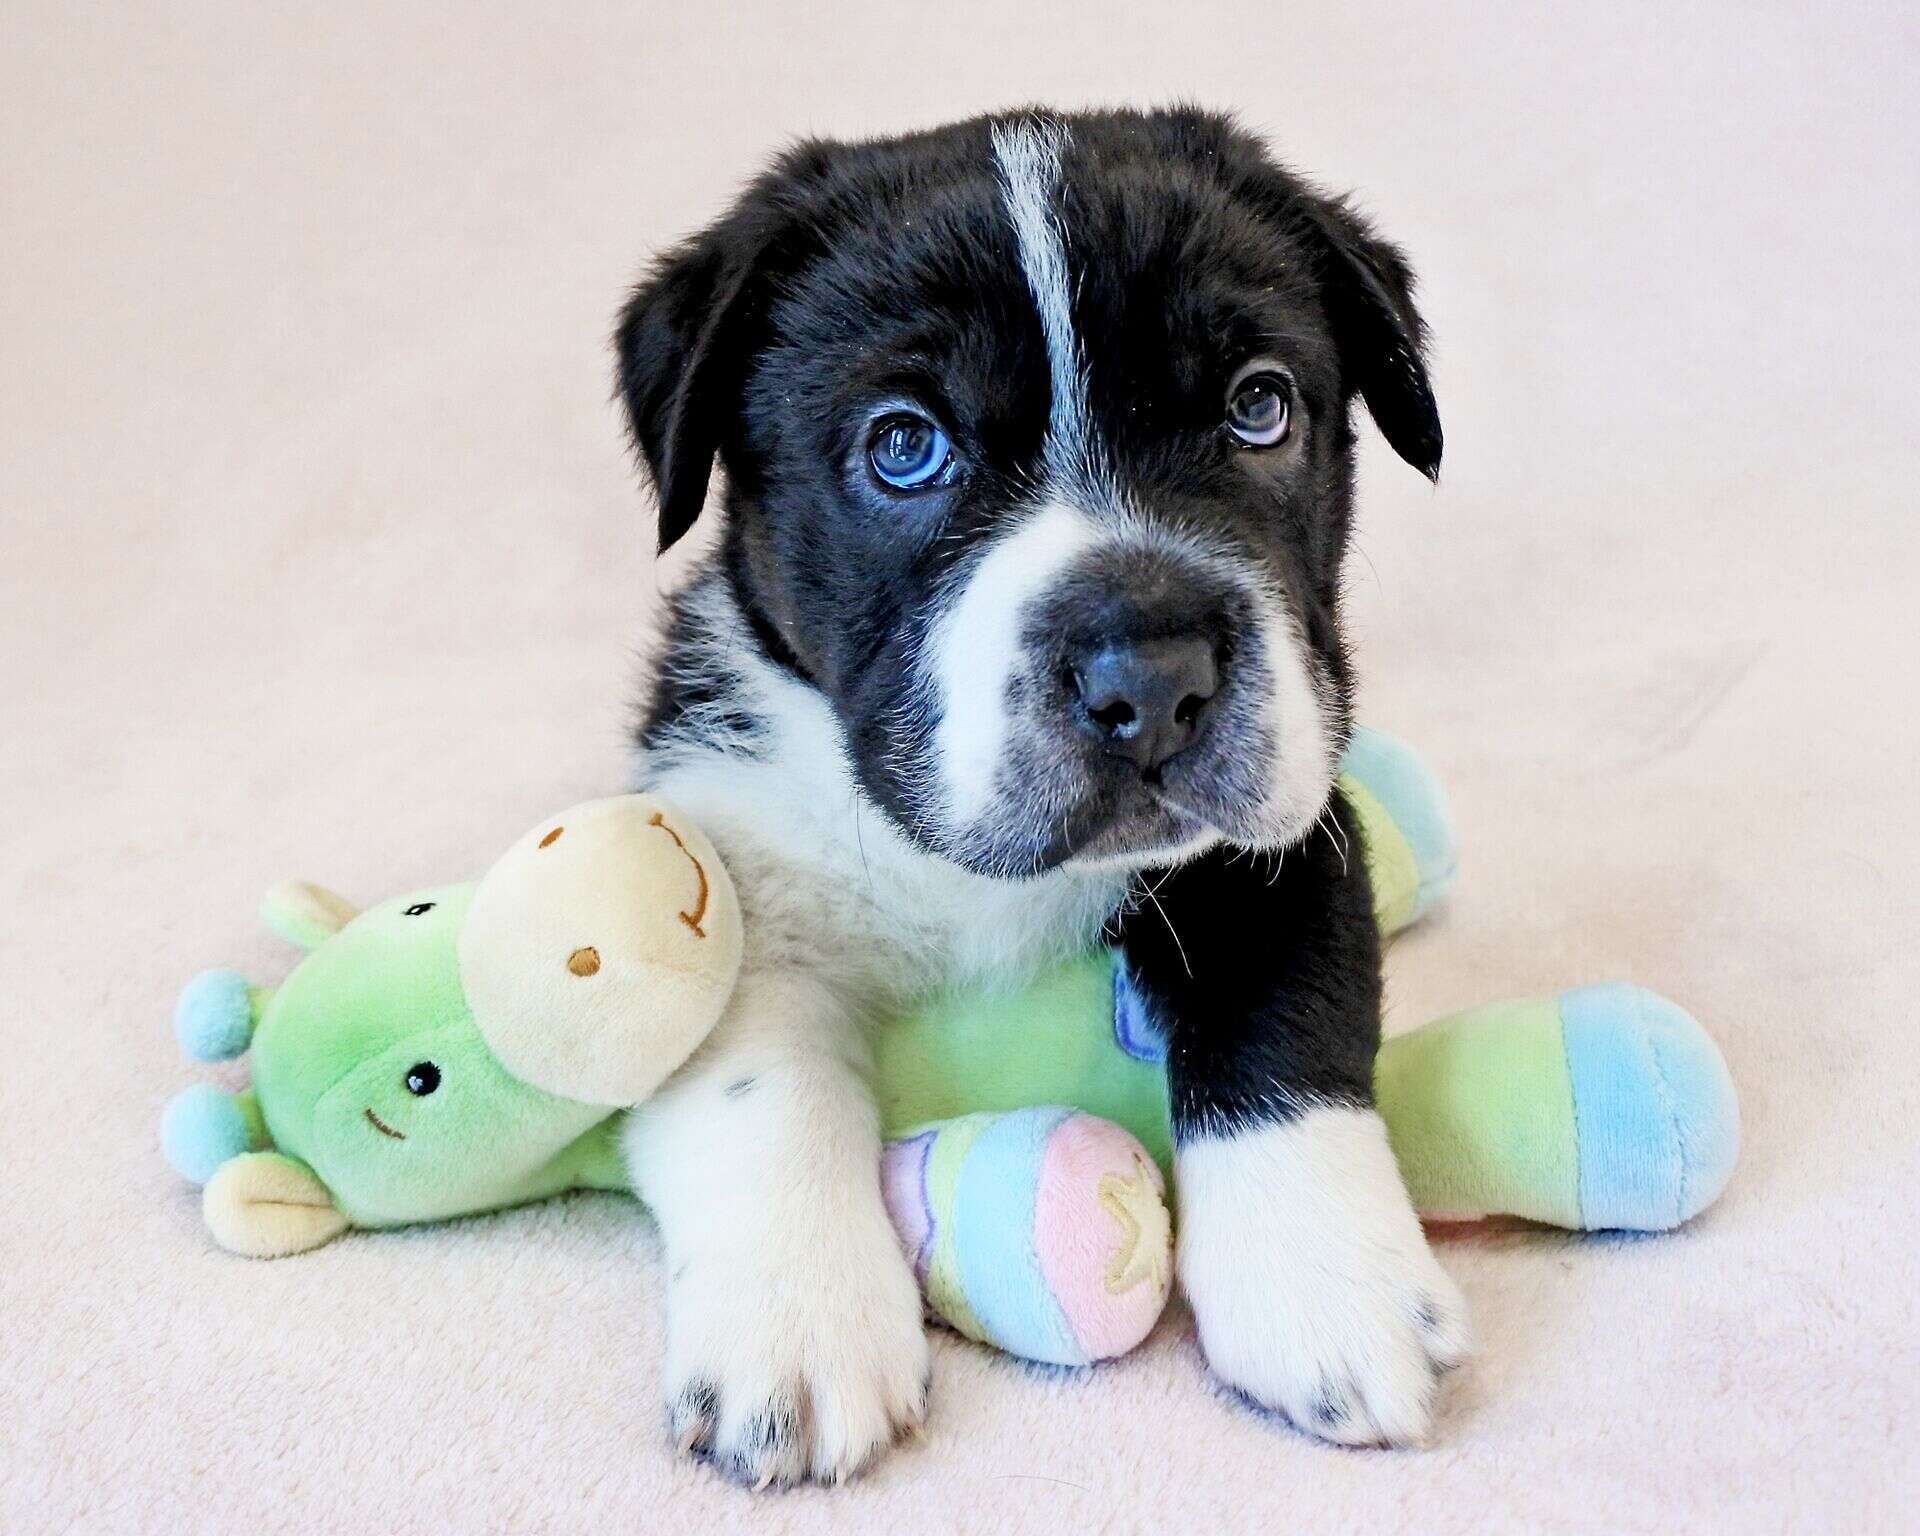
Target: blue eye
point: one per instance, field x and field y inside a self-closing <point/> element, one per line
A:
<point x="1259" y="408"/>
<point x="909" y="451"/>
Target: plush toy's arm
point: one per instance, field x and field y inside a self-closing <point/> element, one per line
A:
<point x="1601" y="1107"/>
<point x="217" y="1014"/>
<point x="1604" y="1107"/>
<point x="305" y="914"/>
<point x="1044" y="1232"/>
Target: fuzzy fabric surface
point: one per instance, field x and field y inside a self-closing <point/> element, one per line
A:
<point x="320" y="555"/>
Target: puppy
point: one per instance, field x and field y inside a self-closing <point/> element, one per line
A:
<point x="1024" y="632"/>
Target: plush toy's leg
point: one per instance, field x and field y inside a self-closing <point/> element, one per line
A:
<point x="204" y="1126"/>
<point x="1412" y="854"/>
<point x="266" y="1205"/>
<point x="1599" y="1108"/>
<point x="1043" y="1232"/>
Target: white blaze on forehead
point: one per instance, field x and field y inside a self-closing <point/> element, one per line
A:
<point x="974" y="650"/>
<point x="1028" y="155"/>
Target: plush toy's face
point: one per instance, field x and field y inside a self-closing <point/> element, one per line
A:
<point x="458" y="1049"/>
<point x="370" y="1069"/>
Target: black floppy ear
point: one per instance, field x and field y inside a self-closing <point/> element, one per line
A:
<point x="684" y="341"/>
<point x="675" y="356"/>
<point x="1382" y="340"/>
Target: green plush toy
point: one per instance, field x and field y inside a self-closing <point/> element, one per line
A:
<point x="471" y="1047"/>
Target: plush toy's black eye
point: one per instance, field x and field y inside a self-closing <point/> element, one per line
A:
<point x="418" y="907"/>
<point x="422" y="1078"/>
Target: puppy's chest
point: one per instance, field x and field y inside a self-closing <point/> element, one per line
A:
<point x="846" y="894"/>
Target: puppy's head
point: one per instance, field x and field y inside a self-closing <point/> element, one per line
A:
<point x="1039" y="468"/>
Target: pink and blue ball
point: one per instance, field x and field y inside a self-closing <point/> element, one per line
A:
<point x="1040" y="1244"/>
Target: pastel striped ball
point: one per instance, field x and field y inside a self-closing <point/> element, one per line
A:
<point x="1042" y="1231"/>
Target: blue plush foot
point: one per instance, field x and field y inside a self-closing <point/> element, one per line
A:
<point x="204" y="1126"/>
<point x="1658" y="1120"/>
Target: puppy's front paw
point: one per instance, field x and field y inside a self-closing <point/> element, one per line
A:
<point x="1311" y="1282"/>
<point x="799" y="1364"/>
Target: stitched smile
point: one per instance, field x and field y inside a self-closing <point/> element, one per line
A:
<point x="691" y="919"/>
<point x="383" y="1128"/>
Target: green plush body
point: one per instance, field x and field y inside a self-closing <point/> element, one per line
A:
<point x="1481" y="1105"/>
<point x="1562" y="1109"/>
<point x="333" y="1048"/>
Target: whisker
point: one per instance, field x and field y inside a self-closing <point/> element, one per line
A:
<point x="1335" y="832"/>
<point x="1153" y="896"/>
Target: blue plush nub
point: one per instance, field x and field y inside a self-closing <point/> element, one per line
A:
<point x="214" y="1017"/>
<point x="201" y="1128"/>
<point x="1399" y="778"/>
<point x="1658" y="1115"/>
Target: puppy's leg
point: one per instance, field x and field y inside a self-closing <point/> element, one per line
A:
<point x="1310" y="1279"/>
<point x="795" y="1346"/>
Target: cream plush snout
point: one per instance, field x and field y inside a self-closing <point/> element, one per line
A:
<point x="601" y="949"/>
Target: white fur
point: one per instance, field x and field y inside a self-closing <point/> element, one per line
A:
<point x="786" y="1282"/>
<point x="825" y="878"/>
<point x="787" y="1293"/>
<point x="787" y="1289"/>
<point x="973" y="650"/>
<point x="1302" y="755"/>
<point x="1310" y="1278"/>
<point x="974" y="646"/>
<point x="1028" y="156"/>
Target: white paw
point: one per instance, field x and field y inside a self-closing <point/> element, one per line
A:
<point x="794" y="1362"/>
<point x="1311" y="1282"/>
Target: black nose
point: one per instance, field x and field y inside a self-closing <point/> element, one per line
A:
<point x="1144" y="700"/>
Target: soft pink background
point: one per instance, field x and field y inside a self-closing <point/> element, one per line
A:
<point x="322" y="556"/>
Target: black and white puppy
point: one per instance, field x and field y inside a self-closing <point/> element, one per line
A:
<point x="1024" y="631"/>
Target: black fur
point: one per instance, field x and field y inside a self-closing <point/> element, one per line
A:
<point x="917" y="218"/>
<point x="853" y="275"/>
<point x="1263" y="972"/>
